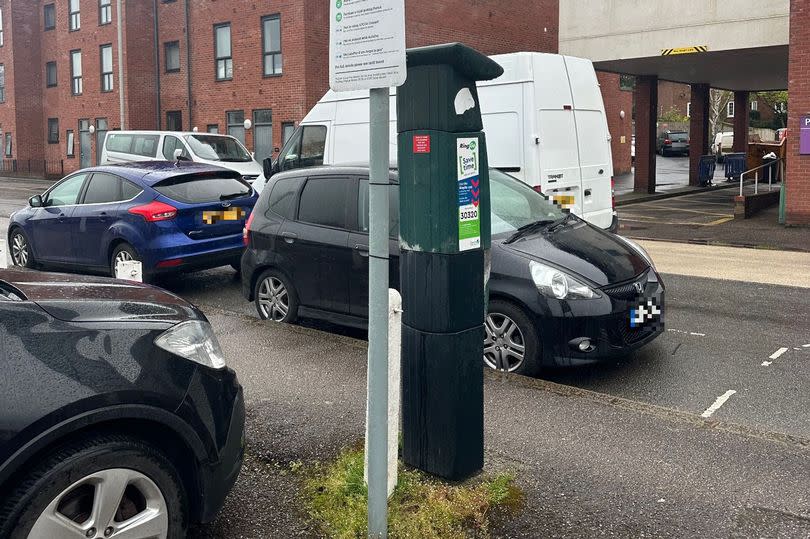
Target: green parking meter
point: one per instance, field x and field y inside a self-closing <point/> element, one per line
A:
<point x="445" y="240"/>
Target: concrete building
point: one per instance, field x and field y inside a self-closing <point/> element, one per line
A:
<point x="743" y="46"/>
<point x="198" y="63"/>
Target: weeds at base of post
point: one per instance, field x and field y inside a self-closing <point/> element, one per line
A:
<point x="421" y="506"/>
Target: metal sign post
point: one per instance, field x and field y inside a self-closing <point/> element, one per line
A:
<point x="367" y="51"/>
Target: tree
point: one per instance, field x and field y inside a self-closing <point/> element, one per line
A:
<point x="718" y="109"/>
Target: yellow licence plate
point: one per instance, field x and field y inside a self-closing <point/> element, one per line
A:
<point x="234" y="214"/>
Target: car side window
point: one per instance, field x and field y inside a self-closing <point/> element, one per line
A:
<point x="170" y="144"/>
<point x="129" y="190"/>
<point x="325" y="201"/>
<point x="282" y="197"/>
<point x="393" y="208"/>
<point x="66" y="192"/>
<point x="102" y="188"/>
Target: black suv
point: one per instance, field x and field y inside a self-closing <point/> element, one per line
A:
<point x="118" y="416"/>
<point x="562" y="292"/>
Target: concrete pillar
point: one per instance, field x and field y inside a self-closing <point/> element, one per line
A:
<point x="797" y="176"/>
<point x="646" y="97"/>
<point x="698" y="129"/>
<point x="741" y="122"/>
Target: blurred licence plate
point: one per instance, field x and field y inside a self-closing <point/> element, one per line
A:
<point x="233" y="214"/>
<point x="563" y="201"/>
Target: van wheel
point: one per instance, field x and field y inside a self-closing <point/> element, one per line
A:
<point x="276" y="299"/>
<point x="511" y="343"/>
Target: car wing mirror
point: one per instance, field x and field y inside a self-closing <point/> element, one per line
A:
<point x="35" y="201"/>
<point x="178" y="155"/>
<point x="267" y="167"/>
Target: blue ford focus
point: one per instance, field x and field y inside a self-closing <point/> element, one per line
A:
<point x="169" y="216"/>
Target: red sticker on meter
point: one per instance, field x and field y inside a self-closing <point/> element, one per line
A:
<point x="421" y="144"/>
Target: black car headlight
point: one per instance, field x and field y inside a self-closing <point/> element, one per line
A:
<point x="554" y="283"/>
<point x="193" y="340"/>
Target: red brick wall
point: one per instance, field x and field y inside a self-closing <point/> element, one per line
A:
<point x="672" y="95"/>
<point x="8" y="118"/>
<point x="617" y="100"/>
<point x="798" y="166"/>
<point x="506" y="26"/>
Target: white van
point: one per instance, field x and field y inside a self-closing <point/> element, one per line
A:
<point x="213" y="149"/>
<point x="544" y="119"/>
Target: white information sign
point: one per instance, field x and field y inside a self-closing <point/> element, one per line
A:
<point x="366" y="44"/>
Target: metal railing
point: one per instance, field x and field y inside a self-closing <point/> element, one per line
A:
<point x="778" y="165"/>
<point x="33" y="168"/>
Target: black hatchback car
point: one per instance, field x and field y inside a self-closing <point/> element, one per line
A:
<point x="118" y="416"/>
<point x="562" y="292"/>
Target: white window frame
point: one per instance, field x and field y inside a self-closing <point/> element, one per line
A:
<point x="730" y="109"/>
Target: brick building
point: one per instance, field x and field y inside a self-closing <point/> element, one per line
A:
<point x="208" y="64"/>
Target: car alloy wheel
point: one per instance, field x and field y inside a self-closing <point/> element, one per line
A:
<point x="504" y="345"/>
<point x="19" y="250"/>
<point x="110" y="503"/>
<point x="274" y="300"/>
<point x="123" y="256"/>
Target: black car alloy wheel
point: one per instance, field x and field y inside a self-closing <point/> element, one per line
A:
<point x="106" y="487"/>
<point x="275" y="298"/>
<point x="510" y="342"/>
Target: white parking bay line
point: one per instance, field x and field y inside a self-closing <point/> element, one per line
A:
<point x="778" y="353"/>
<point x="721" y="400"/>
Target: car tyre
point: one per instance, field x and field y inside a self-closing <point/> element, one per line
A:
<point x="509" y="333"/>
<point x="124" y="251"/>
<point x="276" y="298"/>
<point x="60" y="493"/>
<point x="20" y="249"/>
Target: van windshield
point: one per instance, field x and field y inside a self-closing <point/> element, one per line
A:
<point x="515" y="204"/>
<point x="218" y="148"/>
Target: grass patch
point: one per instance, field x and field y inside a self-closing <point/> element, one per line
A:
<point x="421" y="507"/>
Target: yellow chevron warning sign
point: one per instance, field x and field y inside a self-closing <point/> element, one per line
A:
<point x="684" y="50"/>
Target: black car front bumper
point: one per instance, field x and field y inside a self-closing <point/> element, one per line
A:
<point x="605" y="322"/>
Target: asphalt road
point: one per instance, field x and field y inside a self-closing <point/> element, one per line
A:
<point x="618" y="450"/>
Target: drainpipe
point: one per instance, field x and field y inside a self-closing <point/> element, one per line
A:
<point x="157" y="61"/>
<point x="188" y="67"/>
<point x="120" y="62"/>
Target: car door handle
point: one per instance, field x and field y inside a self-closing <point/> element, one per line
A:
<point x="102" y="216"/>
<point x="289" y="237"/>
<point x="361" y="249"/>
<point x="61" y="218"/>
<point x="587" y="192"/>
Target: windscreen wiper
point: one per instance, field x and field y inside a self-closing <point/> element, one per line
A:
<point x="232" y="196"/>
<point x="529" y="228"/>
<point x="559" y="222"/>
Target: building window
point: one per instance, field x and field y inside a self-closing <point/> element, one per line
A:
<point x="174" y="120"/>
<point x="235" y="120"/>
<point x="689" y="110"/>
<point x="627" y="83"/>
<point x="104" y="12"/>
<point x="287" y="130"/>
<point x="2" y="83"/>
<point x="71" y="142"/>
<point x="262" y="134"/>
<point x="172" y="53"/>
<point x="50" y="74"/>
<point x="271" y="40"/>
<point x="2" y="39"/>
<point x="106" y="68"/>
<point x="76" y="72"/>
<point x="730" y="109"/>
<point x="781" y="107"/>
<point x="75" y="17"/>
<point x="50" y="16"/>
<point x="754" y="106"/>
<point x="8" y="145"/>
<point x="212" y="128"/>
<point x="222" y="49"/>
<point x="53" y="130"/>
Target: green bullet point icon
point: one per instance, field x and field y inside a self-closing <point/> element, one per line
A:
<point x="339" y="17"/>
<point x="339" y="4"/>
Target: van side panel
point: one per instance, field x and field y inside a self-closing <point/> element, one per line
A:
<point x="593" y="142"/>
<point x="504" y="116"/>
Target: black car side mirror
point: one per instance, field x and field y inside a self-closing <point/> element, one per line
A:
<point x="268" y="168"/>
<point x="35" y="201"/>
